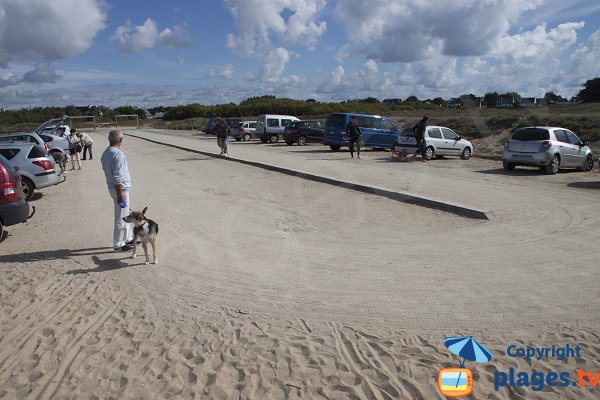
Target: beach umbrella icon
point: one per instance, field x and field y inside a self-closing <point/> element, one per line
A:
<point x="469" y="349"/>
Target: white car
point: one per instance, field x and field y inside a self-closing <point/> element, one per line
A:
<point x="440" y="141"/>
<point x="35" y="165"/>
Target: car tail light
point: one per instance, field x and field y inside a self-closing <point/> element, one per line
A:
<point x="9" y="188"/>
<point x="546" y="144"/>
<point x="47" y="165"/>
<point x="241" y="129"/>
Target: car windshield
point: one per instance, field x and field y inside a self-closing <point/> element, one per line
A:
<point x="36" y="152"/>
<point x="531" y="134"/>
<point x="239" y="125"/>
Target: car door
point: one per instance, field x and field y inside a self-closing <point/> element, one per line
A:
<point x="315" y="131"/>
<point x="433" y="137"/>
<point x="369" y="128"/>
<point x="389" y="132"/>
<point x="565" y="148"/>
<point x="452" y="143"/>
<point x="578" y="150"/>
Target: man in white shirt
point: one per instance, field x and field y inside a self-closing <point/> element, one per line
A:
<point x="86" y="141"/>
<point x="116" y="170"/>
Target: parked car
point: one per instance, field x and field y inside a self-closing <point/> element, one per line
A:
<point x="60" y="130"/>
<point x="27" y="137"/>
<point x="269" y="127"/>
<point x="440" y="141"/>
<point x="33" y="163"/>
<point x="377" y="131"/>
<point x="209" y="126"/>
<point x="244" y="130"/>
<point x="548" y="148"/>
<point x="55" y="143"/>
<point x="302" y="132"/>
<point x="13" y="208"/>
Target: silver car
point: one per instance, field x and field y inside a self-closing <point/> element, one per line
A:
<point x="440" y="142"/>
<point x="548" y="148"/>
<point x="33" y="163"/>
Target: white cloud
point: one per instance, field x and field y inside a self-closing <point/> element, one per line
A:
<point x="134" y="39"/>
<point x="586" y="59"/>
<point x="44" y="31"/>
<point x="259" y="23"/>
<point x="410" y="30"/>
<point x="42" y="73"/>
<point x="225" y="71"/>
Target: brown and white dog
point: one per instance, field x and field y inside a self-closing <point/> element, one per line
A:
<point x="145" y="230"/>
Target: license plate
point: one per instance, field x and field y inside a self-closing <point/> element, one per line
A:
<point x="407" y="140"/>
<point x="522" y="156"/>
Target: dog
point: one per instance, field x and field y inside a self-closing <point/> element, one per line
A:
<point x="145" y="230"/>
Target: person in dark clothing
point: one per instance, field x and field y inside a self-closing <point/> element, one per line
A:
<point x="223" y="132"/>
<point x="354" y="135"/>
<point x="419" y="131"/>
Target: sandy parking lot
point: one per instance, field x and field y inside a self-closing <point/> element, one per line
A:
<point x="274" y="287"/>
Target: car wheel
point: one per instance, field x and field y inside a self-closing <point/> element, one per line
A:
<point x="301" y="140"/>
<point x="273" y="138"/>
<point x="289" y="142"/>
<point x="334" y="147"/>
<point x="429" y="153"/>
<point x="28" y="188"/>
<point x="589" y="164"/>
<point x="508" y="166"/>
<point x="553" y="167"/>
<point x="237" y="139"/>
<point x="466" y="154"/>
<point x="247" y="137"/>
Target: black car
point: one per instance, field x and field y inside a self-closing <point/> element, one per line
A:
<point x="302" y="132"/>
<point x="13" y="208"/>
<point x="209" y="126"/>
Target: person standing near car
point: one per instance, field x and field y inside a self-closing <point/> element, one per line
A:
<point x="86" y="141"/>
<point x="223" y="132"/>
<point x="419" y="132"/>
<point x="354" y="136"/>
<point x="116" y="171"/>
<point x="74" y="149"/>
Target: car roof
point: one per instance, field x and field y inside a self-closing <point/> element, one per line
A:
<point x="19" y="143"/>
<point x="541" y="127"/>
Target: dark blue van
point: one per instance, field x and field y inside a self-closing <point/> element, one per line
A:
<point x="377" y="131"/>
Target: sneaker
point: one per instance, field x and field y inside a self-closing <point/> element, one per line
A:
<point x="125" y="247"/>
<point x="131" y="242"/>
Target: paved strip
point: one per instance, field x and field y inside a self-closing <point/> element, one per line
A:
<point x="403" y="197"/>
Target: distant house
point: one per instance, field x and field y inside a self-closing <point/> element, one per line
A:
<point x="530" y="102"/>
<point x="506" y="102"/>
<point x="86" y="110"/>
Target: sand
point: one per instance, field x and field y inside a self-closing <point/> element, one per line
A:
<point x="273" y="287"/>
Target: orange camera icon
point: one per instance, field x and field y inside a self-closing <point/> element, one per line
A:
<point x="455" y="382"/>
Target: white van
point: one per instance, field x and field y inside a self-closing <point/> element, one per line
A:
<point x="269" y="127"/>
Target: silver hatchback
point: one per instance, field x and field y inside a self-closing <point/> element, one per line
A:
<point x="34" y="164"/>
<point x="548" y="148"/>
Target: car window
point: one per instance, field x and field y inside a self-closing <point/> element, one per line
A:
<point x="434" y="133"/>
<point x="573" y="139"/>
<point x="387" y="124"/>
<point x="368" y="122"/>
<point x="36" y="152"/>
<point x="47" y="139"/>
<point x="9" y="154"/>
<point x="272" y="122"/>
<point x="286" y="122"/>
<point x="449" y="134"/>
<point x="561" y="136"/>
<point x="336" y="120"/>
<point x="239" y="125"/>
<point x="253" y="125"/>
<point x="531" y="134"/>
<point x="60" y="131"/>
<point x="407" y="132"/>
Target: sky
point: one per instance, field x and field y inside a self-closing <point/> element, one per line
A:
<point x="152" y="53"/>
